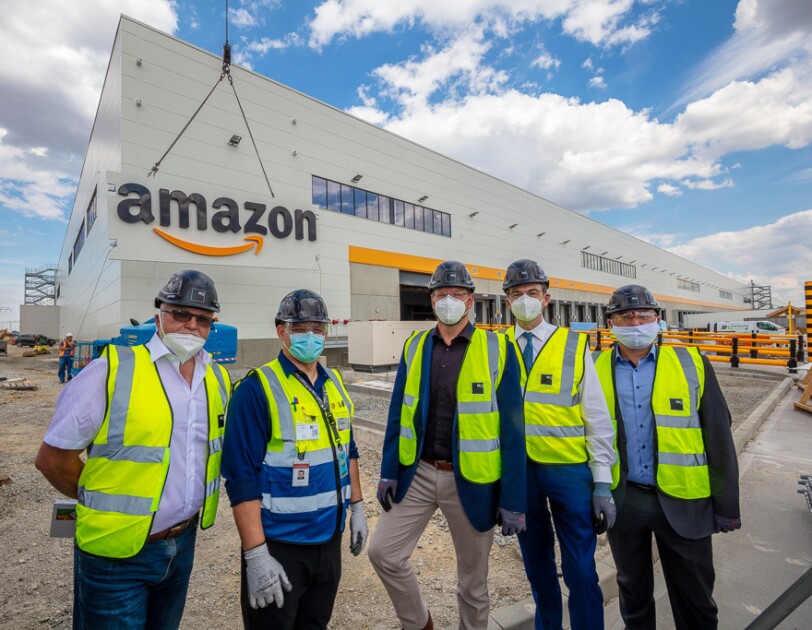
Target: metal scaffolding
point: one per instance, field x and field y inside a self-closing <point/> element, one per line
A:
<point x="40" y="285"/>
<point x="761" y="296"/>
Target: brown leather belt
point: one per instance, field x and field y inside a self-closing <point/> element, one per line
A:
<point x="175" y="530"/>
<point x="439" y="464"/>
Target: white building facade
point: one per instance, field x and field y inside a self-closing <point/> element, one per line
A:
<point x="358" y="214"/>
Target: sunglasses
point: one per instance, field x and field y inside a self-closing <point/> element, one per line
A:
<point x="184" y="317"/>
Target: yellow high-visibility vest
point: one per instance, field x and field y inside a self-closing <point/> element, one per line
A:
<point x="480" y="456"/>
<point x="127" y="464"/>
<point x="553" y="426"/>
<point x="302" y="433"/>
<point x="679" y="382"/>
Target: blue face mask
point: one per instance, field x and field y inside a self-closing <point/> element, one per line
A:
<point x="307" y="347"/>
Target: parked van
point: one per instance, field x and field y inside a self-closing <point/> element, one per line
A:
<point x="760" y="327"/>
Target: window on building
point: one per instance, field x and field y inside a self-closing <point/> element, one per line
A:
<point x="79" y="242"/>
<point x="91" y="212"/>
<point x="70" y="262"/>
<point x="688" y="285"/>
<point x="607" y="265"/>
<point x="369" y="205"/>
<point x="725" y="295"/>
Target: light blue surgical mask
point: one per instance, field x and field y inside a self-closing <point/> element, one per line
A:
<point x="307" y="347"/>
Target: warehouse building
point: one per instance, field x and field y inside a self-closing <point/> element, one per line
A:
<point x="336" y="205"/>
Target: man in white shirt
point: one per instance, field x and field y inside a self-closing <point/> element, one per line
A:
<point x="151" y="418"/>
<point x="569" y="437"/>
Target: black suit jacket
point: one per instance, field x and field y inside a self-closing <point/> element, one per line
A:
<point x="694" y="518"/>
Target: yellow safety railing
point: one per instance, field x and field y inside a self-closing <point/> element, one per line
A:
<point x="735" y="348"/>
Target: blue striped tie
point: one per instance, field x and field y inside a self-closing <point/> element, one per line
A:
<point x="527" y="353"/>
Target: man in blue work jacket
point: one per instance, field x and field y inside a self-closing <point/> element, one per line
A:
<point x="454" y="441"/>
<point x="291" y="470"/>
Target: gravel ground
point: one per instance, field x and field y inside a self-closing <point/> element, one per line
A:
<point x="37" y="573"/>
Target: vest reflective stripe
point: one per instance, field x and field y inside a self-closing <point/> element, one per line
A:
<point x="117" y="452"/>
<point x="478" y="426"/>
<point x="554" y="428"/>
<point x="115" y="502"/>
<point x="121" y="485"/>
<point x="563" y="432"/>
<point x="65" y="350"/>
<point x="298" y="505"/>
<point x="310" y="513"/>
<point x="679" y="381"/>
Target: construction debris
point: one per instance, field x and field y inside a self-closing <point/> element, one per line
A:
<point x="19" y="384"/>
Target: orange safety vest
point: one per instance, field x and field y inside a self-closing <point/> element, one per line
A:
<point x="66" y="349"/>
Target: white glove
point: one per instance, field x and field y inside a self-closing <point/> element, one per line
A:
<point x="263" y="574"/>
<point x="358" y="527"/>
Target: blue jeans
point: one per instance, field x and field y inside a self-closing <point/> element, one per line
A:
<point x="145" y="591"/>
<point x="568" y="487"/>
<point x="65" y="364"/>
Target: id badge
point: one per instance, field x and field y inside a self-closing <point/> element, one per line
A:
<point x="307" y="431"/>
<point x="342" y="464"/>
<point x="301" y="474"/>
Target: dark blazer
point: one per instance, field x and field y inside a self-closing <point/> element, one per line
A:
<point x="479" y="501"/>
<point x="693" y="519"/>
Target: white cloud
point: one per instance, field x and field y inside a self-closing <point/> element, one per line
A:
<point x="584" y="155"/>
<point x="769" y="254"/>
<point x="597" y="82"/>
<point x="241" y="18"/>
<point x="668" y="190"/>
<point x="55" y="60"/>
<point x="599" y="22"/>
<point x="768" y="34"/>
<point x="545" y="61"/>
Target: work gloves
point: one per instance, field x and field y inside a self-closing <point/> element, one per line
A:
<point x="724" y="524"/>
<point x="265" y="577"/>
<point x="386" y="492"/>
<point x="603" y="507"/>
<point x="511" y="522"/>
<point x="358" y="527"/>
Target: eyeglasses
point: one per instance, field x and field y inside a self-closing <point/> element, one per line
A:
<point x="184" y="317"/>
<point x="307" y="327"/>
<point x="533" y="293"/>
<point x="627" y="316"/>
<point x="457" y="295"/>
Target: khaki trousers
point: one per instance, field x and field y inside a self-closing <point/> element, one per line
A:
<point x="396" y="536"/>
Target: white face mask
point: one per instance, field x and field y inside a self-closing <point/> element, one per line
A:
<point x="183" y="345"/>
<point x="637" y="337"/>
<point x="449" y="310"/>
<point x="525" y="308"/>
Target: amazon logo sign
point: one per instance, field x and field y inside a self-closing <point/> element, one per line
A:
<point x="226" y="217"/>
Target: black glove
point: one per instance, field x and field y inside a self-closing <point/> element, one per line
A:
<point x="511" y="522"/>
<point x="386" y="491"/>
<point x="724" y="524"/>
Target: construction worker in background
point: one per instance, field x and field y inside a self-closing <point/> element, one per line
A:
<point x="570" y="453"/>
<point x="677" y="477"/>
<point x="66" y="350"/>
<point x="151" y="418"/>
<point x="453" y="441"/>
<point x="291" y="470"/>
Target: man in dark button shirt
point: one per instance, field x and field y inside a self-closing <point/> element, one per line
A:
<point x="678" y="475"/>
<point x="454" y="441"/>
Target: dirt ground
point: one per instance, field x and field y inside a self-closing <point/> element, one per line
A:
<point x="37" y="572"/>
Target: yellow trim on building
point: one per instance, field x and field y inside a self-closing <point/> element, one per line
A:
<point x="422" y="264"/>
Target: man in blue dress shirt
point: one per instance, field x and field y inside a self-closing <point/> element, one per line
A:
<point x="678" y="476"/>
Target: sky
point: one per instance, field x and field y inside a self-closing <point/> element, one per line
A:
<point x="686" y="123"/>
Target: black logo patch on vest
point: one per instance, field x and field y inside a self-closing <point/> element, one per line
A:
<point x="546" y="379"/>
<point x="221" y="421"/>
<point x="676" y="404"/>
<point x="477" y="388"/>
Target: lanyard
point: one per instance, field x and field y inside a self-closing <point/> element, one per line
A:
<point x="323" y="405"/>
